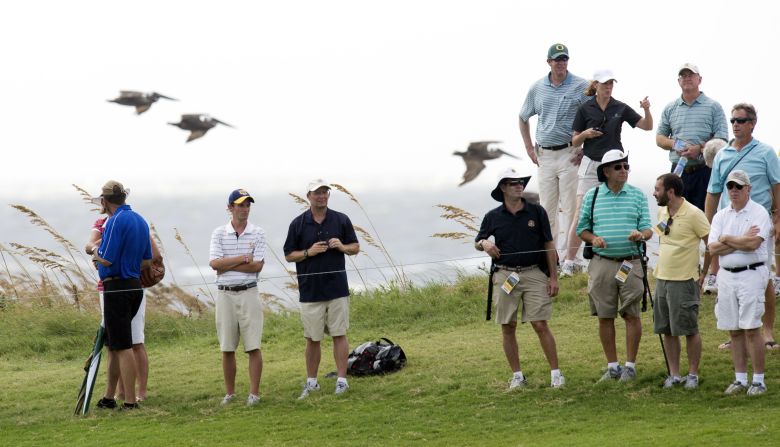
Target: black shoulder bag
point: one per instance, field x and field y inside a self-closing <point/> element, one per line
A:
<point x="587" y="251"/>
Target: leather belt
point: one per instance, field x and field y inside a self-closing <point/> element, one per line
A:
<point x="556" y="148"/>
<point x="517" y="268"/>
<point x="111" y="278"/>
<point x="238" y="288"/>
<point x="626" y="258"/>
<point x="743" y="268"/>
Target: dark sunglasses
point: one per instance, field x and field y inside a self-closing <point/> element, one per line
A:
<point x="621" y="166"/>
<point x="732" y="185"/>
<point x="561" y="59"/>
<point x="514" y="182"/>
<point x="669" y="223"/>
<point x="740" y="120"/>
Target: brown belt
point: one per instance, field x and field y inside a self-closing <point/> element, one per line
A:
<point x="517" y="268"/>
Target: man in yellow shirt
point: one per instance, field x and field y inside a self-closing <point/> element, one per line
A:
<point x="676" y="308"/>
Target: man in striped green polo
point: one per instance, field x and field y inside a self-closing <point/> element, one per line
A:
<point x="619" y="221"/>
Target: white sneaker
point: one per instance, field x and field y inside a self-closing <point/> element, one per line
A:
<point x="569" y="268"/>
<point x="308" y="389"/>
<point x="558" y="382"/>
<point x="517" y="383"/>
<point x="227" y="399"/>
<point x="341" y="387"/>
<point x="710" y="284"/>
<point x="252" y="400"/>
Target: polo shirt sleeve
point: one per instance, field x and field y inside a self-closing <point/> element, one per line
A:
<point x="644" y="222"/>
<point x="291" y="243"/>
<point x="348" y="231"/>
<point x="528" y="109"/>
<point x="585" y="218"/>
<point x="630" y="116"/>
<point x="260" y="245"/>
<point x="148" y="249"/>
<point x="664" y="125"/>
<point x="113" y="242"/>
<point x="215" y="247"/>
<point x="764" y="223"/>
<point x="720" y="126"/>
<point x="578" y="125"/>
<point x="772" y="168"/>
<point x="701" y="227"/>
<point x="716" y="229"/>
<point x="485" y="228"/>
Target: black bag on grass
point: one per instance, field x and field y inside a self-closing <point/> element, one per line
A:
<point x="376" y="357"/>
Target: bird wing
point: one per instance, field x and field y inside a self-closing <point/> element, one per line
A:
<point x="480" y="145"/>
<point x="195" y="134"/>
<point x="495" y="153"/>
<point x="473" y="167"/>
<point x="130" y="94"/>
<point x="222" y="122"/>
<point x="141" y="108"/>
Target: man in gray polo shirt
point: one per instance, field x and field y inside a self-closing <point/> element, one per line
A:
<point x="237" y="254"/>
<point x="555" y="98"/>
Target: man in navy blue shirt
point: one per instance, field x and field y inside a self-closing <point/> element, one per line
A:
<point x="317" y="241"/>
<point x="124" y="250"/>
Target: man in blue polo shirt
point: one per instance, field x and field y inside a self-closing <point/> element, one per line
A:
<point x="317" y="241"/>
<point x="555" y="98"/>
<point x="620" y="219"/>
<point x="124" y="251"/>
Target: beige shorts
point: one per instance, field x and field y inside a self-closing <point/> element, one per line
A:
<point x="529" y="296"/>
<point x="587" y="177"/>
<point x="609" y="297"/>
<point x="239" y="314"/>
<point x="325" y="317"/>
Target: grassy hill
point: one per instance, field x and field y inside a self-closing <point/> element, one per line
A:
<point x="453" y="391"/>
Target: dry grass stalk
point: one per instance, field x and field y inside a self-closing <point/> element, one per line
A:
<point x="166" y="260"/>
<point x="86" y="197"/>
<point x="366" y="236"/>
<point x="455" y="236"/>
<point x="461" y="216"/>
<point x="300" y="200"/>
<point x="179" y="238"/>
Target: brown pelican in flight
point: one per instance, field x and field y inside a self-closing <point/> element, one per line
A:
<point x="475" y="156"/>
<point x="141" y="101"/>
<point x="197" y="124"/>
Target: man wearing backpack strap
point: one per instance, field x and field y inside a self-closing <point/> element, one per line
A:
<point x="317" y="241"/>
<point x="526" y="280"/>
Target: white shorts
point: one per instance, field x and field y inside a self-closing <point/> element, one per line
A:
<point x="740" y="302"/>
<point x="136" y="324"/>
<point x="587" y="177"/>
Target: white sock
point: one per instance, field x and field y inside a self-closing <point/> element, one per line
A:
<point x="342" y="380"/>
<point x="311" y="381"/>
<point x="518" y="375"/>
<point x="741" y="378"/>
<point x="555" y="373"/>
<point x="631" y="365"/>
<point x="758" y="378"/>
<point x="613" y="365"/>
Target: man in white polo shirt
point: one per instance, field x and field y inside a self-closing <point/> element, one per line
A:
<point x="739" y="236"/>
<point x="237" y="254"/>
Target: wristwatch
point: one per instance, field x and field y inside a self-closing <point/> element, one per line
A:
<point x="479" y="244"/>
<point x="305" y="253"/>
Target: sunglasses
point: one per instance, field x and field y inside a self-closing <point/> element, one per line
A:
<point x="732" y="185"/>
<point x="740" y="120"/>
<point x="561" y="59"/>
<point x="621" y="166"/>
<point x="669" y="223"/>
<point x="513" y="182"/>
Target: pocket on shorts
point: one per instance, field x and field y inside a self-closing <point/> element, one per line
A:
<point x="689" y="314"/>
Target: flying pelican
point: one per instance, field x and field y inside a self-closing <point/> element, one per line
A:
<point x="475" y="156"/>
<point x="197" y="124"/>
<point x="141" y="101"/>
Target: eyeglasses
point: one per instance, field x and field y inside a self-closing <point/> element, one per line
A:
<point x="513" y="182"/>
<point x="740" y="120"/>
<point x="621" y="166"/>
<point x="669" y="223"/>
<point x="561" y="59"/>
<point x="687" y="75"/>
<point x="732" y="185"/>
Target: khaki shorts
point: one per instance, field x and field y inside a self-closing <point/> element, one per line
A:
<point x="587" y="177"/>
<point x="530" y="293"/>
<point x="676" y="308"/>
<point x="325" y="317"/>
<point x="609" y="297"/>
<point x="239" y="314"/>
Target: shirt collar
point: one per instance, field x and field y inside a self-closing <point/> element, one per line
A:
<point x="566" y="80"/>
<point x="250" y="228"/>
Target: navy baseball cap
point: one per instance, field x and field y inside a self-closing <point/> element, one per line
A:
<point x="238" y="196"/>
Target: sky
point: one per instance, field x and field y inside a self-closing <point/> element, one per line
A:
<point x="372" y="95"/>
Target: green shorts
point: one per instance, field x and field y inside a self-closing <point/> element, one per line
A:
<point x="676" y="307"/>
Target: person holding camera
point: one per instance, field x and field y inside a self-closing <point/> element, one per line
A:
<point x="619" y="222"/>
<point x="596" y="128"/>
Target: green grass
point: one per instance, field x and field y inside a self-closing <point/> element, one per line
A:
<point x="453" y="391"/>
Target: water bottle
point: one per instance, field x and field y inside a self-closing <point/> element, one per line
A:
<point x="678" y="170"/>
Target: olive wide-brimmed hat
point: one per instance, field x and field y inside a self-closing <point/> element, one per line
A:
<point x="508" y="173"/>
<point x="611" y="157"/>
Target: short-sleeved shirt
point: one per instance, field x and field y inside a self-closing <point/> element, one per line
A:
<point x="520" y="237"/>
<point x="125" y="244"/>
<point x="610" y="119"/>
<point x="697" y="123"/>
<point x="678" y="258"/>
<point x="322" y="277"/>
<point x="761" y="164"/>
<point x="614" y="217"/>
<point x="556" y="107"/>
<point x="736" y="223"/>
<point x="226" y="243"/>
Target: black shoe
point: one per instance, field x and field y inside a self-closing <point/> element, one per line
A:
<point x="126" y="406"/>
<point x="106" y="403"/>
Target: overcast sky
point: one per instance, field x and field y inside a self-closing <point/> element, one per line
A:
<point x="364" y="93"/>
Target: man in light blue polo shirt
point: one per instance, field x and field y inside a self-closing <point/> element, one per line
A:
<point x="619" y="221"/>
<point x="555" y="98"/>
<point x="760" y="161"/>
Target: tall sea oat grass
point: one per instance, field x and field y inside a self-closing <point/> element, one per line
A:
<point x="189" y="253"/>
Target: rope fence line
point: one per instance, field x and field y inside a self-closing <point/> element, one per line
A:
<point x="262" y="279"/>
